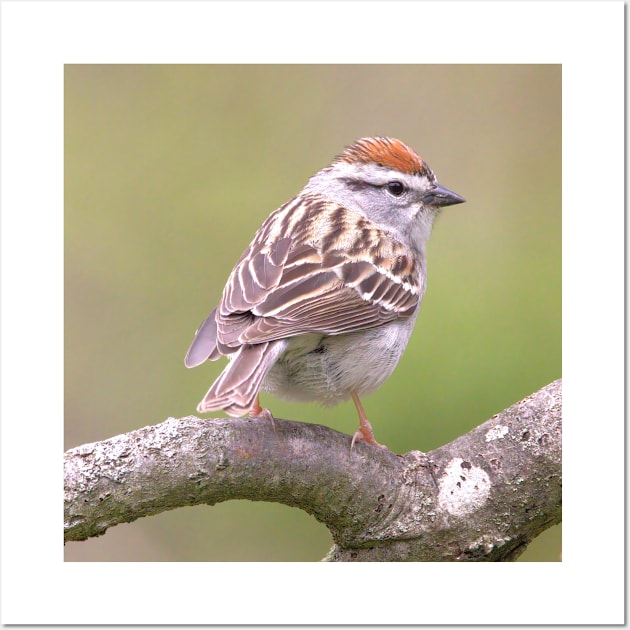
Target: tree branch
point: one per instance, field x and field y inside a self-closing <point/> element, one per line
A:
<point x="484" y="496"/>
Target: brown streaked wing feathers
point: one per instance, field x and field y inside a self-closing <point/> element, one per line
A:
<point x="256" y="273"/>
<point x="335" y="313"/>
<point x="276" y="291"/>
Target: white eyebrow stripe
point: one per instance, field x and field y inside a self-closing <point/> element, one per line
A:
<point x="378" y="175"/>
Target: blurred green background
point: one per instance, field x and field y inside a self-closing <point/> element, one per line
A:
<point x="169" y="171"/>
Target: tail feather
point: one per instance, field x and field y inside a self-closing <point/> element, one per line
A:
<point x="238" y="385"/>
<point x="204" y="345"/>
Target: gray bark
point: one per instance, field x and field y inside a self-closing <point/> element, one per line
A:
<point x="482" y="497"/>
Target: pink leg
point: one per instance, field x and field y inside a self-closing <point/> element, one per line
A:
<point x="365" y="433"/>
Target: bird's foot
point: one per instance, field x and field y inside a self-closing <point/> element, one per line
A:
<point x="259" y="412"/>
<point x="365" y="436"/>
<point x="364" y="433"/>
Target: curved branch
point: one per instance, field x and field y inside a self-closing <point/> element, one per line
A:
<point x="484" y="496"/>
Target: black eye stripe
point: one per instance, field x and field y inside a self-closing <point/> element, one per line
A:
<point x="395" y="188"/>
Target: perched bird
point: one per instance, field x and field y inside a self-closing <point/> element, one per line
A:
<point x="322" y="303"/>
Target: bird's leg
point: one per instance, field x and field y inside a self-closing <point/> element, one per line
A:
<point x="257" y="411"/>
<point x="365" y="433"/>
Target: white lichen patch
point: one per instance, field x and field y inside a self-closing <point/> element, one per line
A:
<point x="488" y="544"/>
<point x="463" y="488"/>
<point x="496" y="433"/>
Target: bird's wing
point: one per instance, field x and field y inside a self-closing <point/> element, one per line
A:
<point x="336" y="273"/>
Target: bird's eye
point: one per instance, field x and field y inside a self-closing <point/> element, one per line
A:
<point x="396" y="188"/>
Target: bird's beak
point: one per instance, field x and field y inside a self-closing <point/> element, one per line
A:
<point x="441" y="196"/>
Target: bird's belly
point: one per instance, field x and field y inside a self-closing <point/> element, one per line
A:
<point x="326" y="369"/>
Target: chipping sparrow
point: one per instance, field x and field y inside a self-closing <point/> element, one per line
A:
<point x="322" y="303"/>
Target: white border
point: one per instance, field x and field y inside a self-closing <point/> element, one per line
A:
<point x="37" y="38"/>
